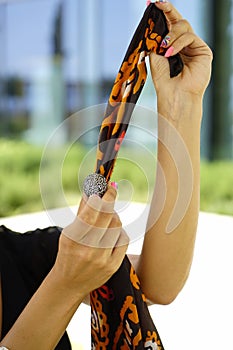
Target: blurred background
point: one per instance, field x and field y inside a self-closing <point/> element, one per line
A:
<point x="60" y="56"/>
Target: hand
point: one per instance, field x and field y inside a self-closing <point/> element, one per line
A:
<point x="196" y="56"/>
<point x="92" y="248"/>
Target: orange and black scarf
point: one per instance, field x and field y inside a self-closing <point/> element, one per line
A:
<point x="120" y="316"/>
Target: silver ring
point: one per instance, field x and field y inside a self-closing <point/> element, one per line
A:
<point x="95" y="184"/>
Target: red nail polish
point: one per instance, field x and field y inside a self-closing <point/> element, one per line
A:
<point x="169" y="52"/>
<point x="114" y="185"/>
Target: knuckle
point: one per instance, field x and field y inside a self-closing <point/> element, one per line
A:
<point x="184" y="23"/>
<point x="104" y="264"/>
<point x="116" y="222"/>
<point x="181" y="26"/>
<point x="87" y="217"/>
<point x="65" y="243"/>
<point x="210" y="53"/>
<point x="85" y="254"/>
<point x="107" y="207"/>
<point x="91" y="256"/>
<point x="105" y="217"/>
<point x="112" y="266"/>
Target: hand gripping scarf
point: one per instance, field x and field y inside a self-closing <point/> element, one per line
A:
<point x="120" y="317"/>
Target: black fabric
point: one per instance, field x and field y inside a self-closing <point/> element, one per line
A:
<point x="25" y="260"/>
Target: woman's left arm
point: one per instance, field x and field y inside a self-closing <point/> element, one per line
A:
<point x="167" y="252"/>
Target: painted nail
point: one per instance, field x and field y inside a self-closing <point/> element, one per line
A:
<point x="165" y="41"/>
<point x="148" y="2"/>
<point x="169" y="52"/>
<point x="114" y="185"/>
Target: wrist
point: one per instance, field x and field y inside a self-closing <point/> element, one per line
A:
<point x="181" y="109"/>
<point x="63" y="289"/>
<point x="179" y="125"/>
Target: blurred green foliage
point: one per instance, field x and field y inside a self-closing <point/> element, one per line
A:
<point x="20" y="168"/>
<point x="217" y="187"/>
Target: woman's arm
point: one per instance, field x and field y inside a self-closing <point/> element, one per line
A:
<point x="167" y="252"/>
<point x="169" y="241"/>
<point x="88" y="255"/>
<point x="45" y="318"/>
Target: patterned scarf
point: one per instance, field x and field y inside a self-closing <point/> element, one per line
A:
<point x="120" y="317"/>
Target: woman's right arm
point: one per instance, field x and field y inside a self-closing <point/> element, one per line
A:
<point x="88" y="255"/>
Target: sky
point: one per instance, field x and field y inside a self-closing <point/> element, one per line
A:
<point x="26" y="31"/>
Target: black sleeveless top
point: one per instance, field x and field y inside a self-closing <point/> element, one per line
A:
<point x="25" y="260"/>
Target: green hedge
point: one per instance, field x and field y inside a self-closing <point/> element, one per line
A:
<point x="217" y="187"/>
<point x="20" y="189"/>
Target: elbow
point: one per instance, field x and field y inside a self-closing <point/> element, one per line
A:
<point x="163" y="297"/>
<point x="161" y="300"/>
<point x="166" y="295"/>
<point x="167" y="299"/>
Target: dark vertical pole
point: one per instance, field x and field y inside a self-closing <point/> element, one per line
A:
<point x="221" y="136"/>
<point x="207" y="23"/>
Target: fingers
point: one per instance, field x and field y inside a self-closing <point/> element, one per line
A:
<point x="97" y="224"/>
<point x="180" y="33"/>
<point x="109" y="197"/>
<point x="123" y="240"/>
<point x="188" y="44"/>
<point x="90" y="211"/>
<point x="100" y="243"/>
<point x="90" y="208"/>
<point x="170" y="12"/>
<point x="119" y="251"/>
<point x="176" y="31"/>
<point x="110" y="194"/>
<point x="112" y="234"/>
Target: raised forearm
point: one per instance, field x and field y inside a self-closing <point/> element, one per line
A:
<point x="169" y="242"/>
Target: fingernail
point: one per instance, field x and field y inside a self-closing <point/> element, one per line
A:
<point x="161" y="1"/>
<point x="114" y="185"/>
<point x="165" y="41"/>
<point x="148" y="2"/>
<point x="169" y="52"/>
